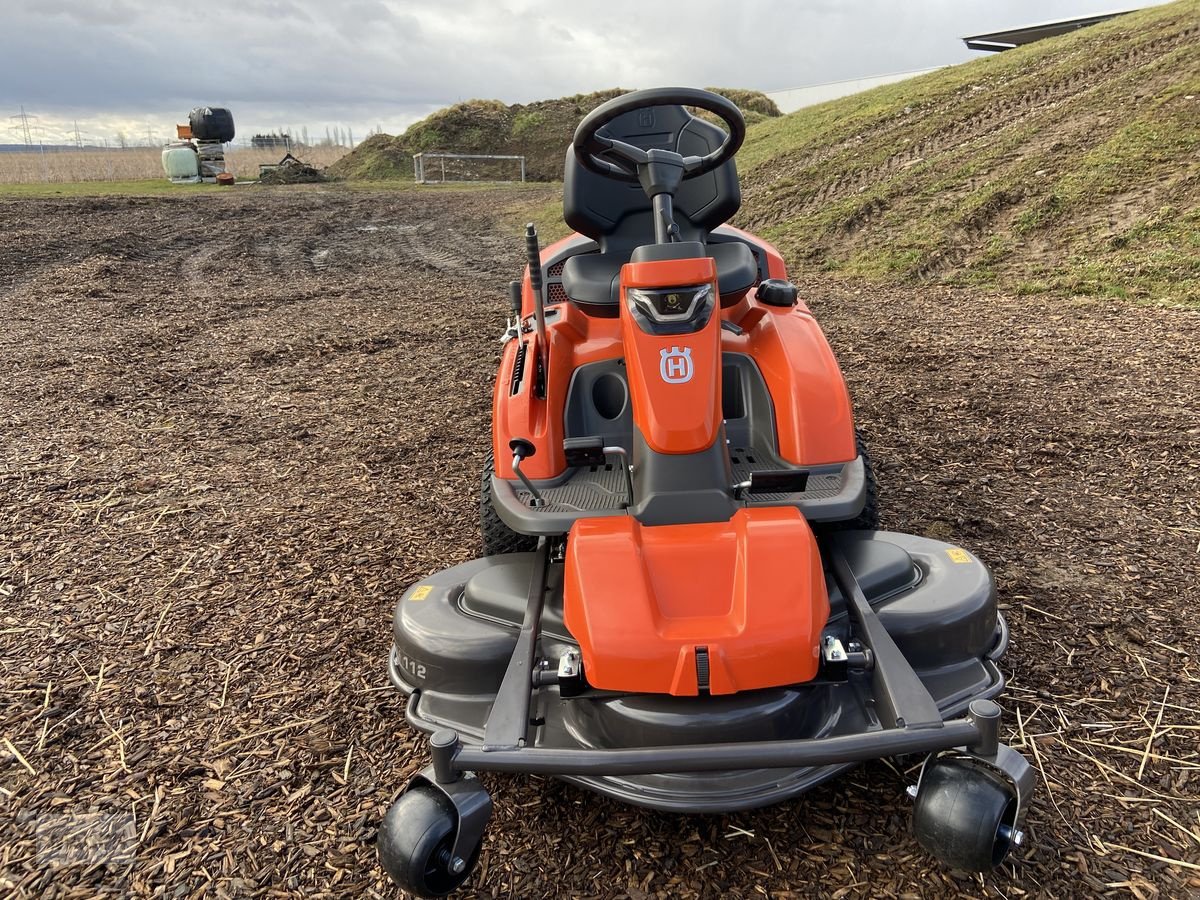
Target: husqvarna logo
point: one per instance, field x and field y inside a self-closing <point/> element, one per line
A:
<point x="675" y="365"/>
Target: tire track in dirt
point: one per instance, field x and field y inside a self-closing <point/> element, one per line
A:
<point x="1010" y="113"/>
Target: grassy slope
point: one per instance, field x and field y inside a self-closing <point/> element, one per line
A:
<point x="1071" y="165"/>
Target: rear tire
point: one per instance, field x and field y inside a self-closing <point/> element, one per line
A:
<point x="497" y="537"/>
<point x="868" y="519"/>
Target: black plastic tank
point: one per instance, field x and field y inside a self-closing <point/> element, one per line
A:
<point x="211" y="123"/>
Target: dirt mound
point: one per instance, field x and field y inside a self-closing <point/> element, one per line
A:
<point x="291" y="171"/>
<point x="1071" y="165"/>
<point x="539" y="131"/>
<point x="380" y="157"/>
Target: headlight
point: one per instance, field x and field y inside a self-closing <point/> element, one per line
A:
<point x="675" y="310"/>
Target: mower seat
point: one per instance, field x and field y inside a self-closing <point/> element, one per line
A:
<point x="619" y="216"/>
<point x="594" y="279"/>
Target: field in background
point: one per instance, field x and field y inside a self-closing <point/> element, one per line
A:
<point x="136" y="163"/>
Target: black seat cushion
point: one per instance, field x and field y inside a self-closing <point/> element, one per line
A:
<point x="594" y="279"/>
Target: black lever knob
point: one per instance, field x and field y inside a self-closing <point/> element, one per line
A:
<point x="777" y="292"/>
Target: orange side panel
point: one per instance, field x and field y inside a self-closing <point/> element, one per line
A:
<point x="574" y="339"/>
<point x="813" y="417"/>
<point x="674" y="380"/>
<point x="640" y="600"/>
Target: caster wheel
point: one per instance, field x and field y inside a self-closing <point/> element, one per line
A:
<point x="415" y="842"/>
<point x="965" y="815"/>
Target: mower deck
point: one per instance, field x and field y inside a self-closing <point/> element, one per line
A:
<point x="468" y="639"/>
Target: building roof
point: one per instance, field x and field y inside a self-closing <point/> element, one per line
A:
<point x="1016" y="37"/>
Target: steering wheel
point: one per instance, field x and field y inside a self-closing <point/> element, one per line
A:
<point x="589" y="143"/>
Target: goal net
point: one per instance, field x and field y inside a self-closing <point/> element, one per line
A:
<point x="435" y="168"/>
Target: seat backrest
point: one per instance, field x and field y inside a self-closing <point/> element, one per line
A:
<point x="618" y="214"/>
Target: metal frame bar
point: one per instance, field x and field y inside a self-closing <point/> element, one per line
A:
<point x="804" y="753"/>
<point x="901" y="699"/>
<point x="508" y="723"/>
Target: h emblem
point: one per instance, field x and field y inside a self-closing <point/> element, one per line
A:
<point x="675" y="365"/>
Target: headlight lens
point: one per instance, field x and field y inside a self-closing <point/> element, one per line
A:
<point x="674" y="310"/>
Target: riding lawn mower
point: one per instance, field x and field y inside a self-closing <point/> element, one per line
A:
<point x="684" y="602"/>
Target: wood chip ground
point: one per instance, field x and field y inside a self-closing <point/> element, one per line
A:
<point x="235" y="427"/>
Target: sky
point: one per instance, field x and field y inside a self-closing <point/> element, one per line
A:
<point x="137" y="67"/>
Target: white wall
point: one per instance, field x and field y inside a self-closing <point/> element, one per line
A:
<point x="793" y="99"/>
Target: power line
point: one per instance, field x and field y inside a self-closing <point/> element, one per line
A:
<point x="24" y="118"/>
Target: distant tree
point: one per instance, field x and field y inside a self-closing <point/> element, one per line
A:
<point x="350" y="134"/>
<point x="304" y="135"/>
<point x="122" y="140"/>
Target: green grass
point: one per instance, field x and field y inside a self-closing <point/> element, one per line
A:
<point x="153" y="187"/>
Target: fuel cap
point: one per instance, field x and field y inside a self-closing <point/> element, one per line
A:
<point x="777" y="292"/>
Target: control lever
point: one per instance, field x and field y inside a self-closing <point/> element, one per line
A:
<point x="773" y="481"/>
<point x="522" y="449"/>
<point x="534" y="253"/>
<point x="512" y="329"/>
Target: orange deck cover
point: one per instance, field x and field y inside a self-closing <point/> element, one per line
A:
<point x="641" y="599"/>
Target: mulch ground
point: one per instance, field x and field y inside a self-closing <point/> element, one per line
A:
<point x="235" y="427"/>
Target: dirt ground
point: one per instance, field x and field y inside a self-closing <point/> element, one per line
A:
<point x="236" y="426"/>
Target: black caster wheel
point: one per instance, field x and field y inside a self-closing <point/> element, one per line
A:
<point x="416" y="839"/>
<point x="965" y="814"/>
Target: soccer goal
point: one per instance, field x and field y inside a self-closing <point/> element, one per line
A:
<point x="438" y="168"/>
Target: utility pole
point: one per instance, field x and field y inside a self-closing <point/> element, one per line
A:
<point x="78" y="139"/>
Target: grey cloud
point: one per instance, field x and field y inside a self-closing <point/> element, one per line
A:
<point x="311" y="61"/>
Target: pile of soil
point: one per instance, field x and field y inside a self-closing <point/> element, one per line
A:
<point x="292" y="171"/>
<point x="229" y="450"/>
<point x="539" y="131"/>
